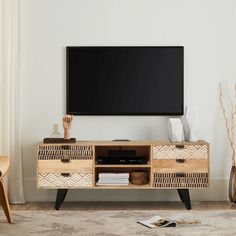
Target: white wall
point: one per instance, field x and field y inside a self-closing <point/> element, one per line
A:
<point x="206" y="28"/>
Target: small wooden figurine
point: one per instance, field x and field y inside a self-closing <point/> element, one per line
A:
<point x="67" y="121"/>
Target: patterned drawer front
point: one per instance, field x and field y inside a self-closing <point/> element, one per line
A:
<point x="57" y="180"/>
<point x="71" y="152"/>
<point x="180" y="152"/>
<point x="180" y="180"/>
<point x="71" y="166"/>
<point x="180" y="165"/>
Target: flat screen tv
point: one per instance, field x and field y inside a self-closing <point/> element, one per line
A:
<point x="125" y="80"/>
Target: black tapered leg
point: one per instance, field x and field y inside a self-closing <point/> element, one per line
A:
<point x="185" y="197"/>
<point x="61" y="194"/>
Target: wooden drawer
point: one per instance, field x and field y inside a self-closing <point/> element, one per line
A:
<point x="180" y="180"/>
<point x="180" y="165"/>
<point x="72" y="152"/>
<point x="186" y="151"/>
<point x="58" y="166"/>
<point x="64" y="180"/>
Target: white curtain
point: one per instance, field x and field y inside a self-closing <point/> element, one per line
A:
<point x="10" y="124"/>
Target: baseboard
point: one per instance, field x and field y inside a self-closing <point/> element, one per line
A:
<point x="218" y="191"/>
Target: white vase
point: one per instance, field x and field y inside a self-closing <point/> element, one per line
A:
<point x="191" y="123"/>
<point x="175" y="130"/>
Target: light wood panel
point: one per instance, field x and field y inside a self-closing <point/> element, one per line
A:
<point x="129" y="186"/>
<point x="73" y="166"/>
<point x="174" y="166"/>
<point x="127" y="143"/>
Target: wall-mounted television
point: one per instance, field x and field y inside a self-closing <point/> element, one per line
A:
<point x="125" y="80"/>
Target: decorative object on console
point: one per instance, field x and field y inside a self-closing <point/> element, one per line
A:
<point x="56" y="136"/>
<point x="175" y="130"/>
<point x="232" y="185"/>
<point x="55" y="133"/>
<point x="229" y="118"/>
<point x="67" y="122"/>
<point x="113" y="179"/>
<point x="191" y="123"/>
<point x="139" y="177"/>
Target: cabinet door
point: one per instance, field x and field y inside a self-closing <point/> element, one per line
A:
<point x="180" y="166"/>
<point x="65" y="166"/>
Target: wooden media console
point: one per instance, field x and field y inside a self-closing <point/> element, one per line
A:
<point x="180" y="166"/>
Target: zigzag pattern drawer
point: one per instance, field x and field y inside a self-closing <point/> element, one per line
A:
<point x="57" y="152"/>
<point x="185" y="152"/>
<point x="180" y="180"/>
<point x="57" y="181"/>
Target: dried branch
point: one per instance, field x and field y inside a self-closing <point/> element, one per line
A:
<point x="230" y="129"/>
<point x="233" y="139"/>
<point x="233" y="121"/>
<point x="229" y="98"/>
<point x="235" y="97"/>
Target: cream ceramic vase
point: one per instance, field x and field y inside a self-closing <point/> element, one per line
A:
<point x="191" y="123"/>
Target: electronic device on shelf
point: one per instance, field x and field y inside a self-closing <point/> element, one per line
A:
<point x="124" y="160"/>
<point x="121" y="153"/>
<point x="121" y="157"/>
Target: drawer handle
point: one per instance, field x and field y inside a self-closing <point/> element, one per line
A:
<point x="179" y="146"/>
<point x="180" y="160"/>
<point x="180" y="174"/>
<point x="65" y="159"/>
<point x="65" y="174"/>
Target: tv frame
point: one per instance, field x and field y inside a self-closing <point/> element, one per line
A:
<point x="120" y="114"/>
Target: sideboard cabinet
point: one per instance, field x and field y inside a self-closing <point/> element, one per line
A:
<point x="181" y="166"/>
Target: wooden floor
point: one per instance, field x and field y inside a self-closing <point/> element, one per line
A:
<point x="124" y="206"/>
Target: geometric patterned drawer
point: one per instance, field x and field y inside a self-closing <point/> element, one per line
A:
<point x="59" y="152"/>
<point x="180" y="180"/>
<point x="57" y="181"/>
<point x="180" y="152"/>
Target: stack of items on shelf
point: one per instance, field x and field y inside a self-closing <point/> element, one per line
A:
<point x="113" y="179"/>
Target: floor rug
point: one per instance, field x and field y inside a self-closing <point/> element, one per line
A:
<point x="116" y="223"/>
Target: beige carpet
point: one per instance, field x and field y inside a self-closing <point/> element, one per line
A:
<point x="115" y="223"/>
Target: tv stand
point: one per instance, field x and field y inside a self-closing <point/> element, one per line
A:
<point x="181" y="166"/>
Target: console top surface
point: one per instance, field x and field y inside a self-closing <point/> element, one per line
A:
<point x="128" y="143"/>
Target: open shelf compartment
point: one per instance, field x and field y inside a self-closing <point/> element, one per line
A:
<point x="141" y="151"/>
<point x="122" y="170"/>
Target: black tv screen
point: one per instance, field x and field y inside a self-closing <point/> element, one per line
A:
<point x="125" y="80"/>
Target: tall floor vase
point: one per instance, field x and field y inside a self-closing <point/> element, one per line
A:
<point x="232" y="185"/>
